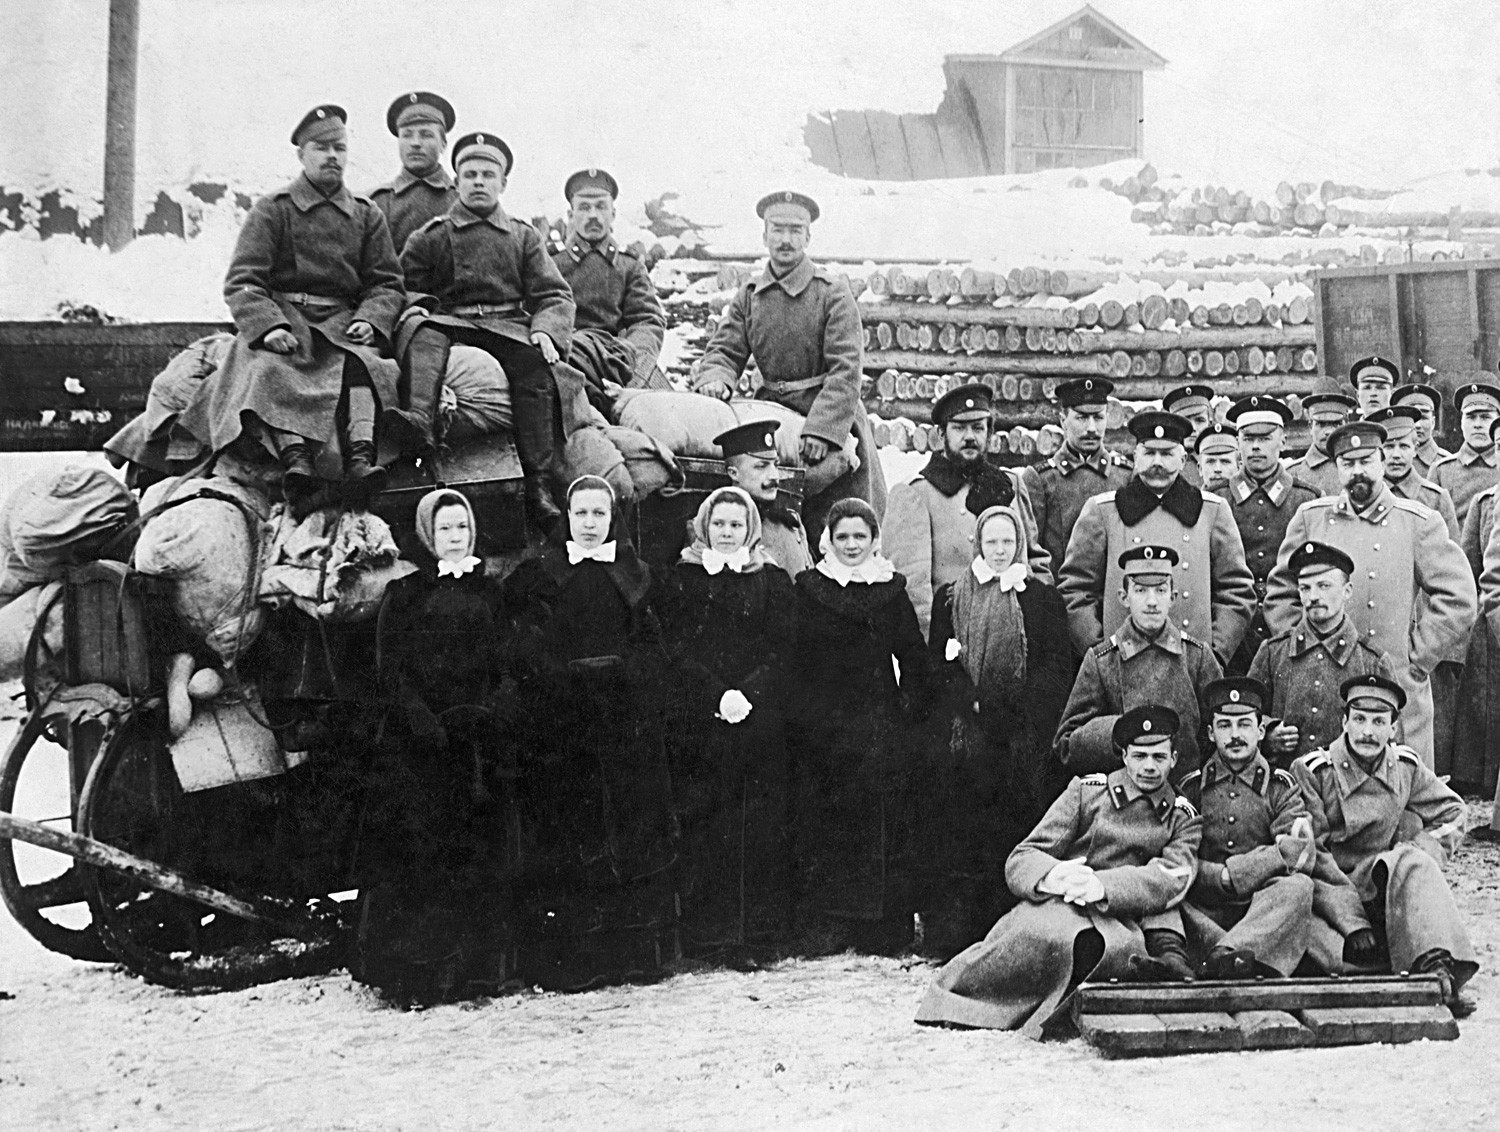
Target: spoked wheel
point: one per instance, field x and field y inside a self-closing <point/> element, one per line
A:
<point x="31" y="900"/>
<point x="132" y="800"/>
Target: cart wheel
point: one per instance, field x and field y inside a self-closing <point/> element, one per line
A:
<point x="132" y="800"/>
<point x="29" y="900"/>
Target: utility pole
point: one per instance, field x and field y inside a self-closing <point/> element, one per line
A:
<point x="119" y="124"/>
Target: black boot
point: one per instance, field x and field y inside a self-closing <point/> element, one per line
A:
<point x="1165" y="960"/>
<point x="540" y="507"/>
<point x="412" y="427"/>
<point x="1228" y="963"/>
<point x="299" y="479"/>
<point x="363" y="477"/>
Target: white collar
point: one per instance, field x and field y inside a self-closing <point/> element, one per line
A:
<point x="736" y="560"/>
<point x="872" y="569"/>
<point x="450" y="569"/>
<point x="604" y="552"/>
<point x="1013" y="577"/>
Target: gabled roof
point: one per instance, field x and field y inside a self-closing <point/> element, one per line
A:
<point x="1135" y="55"/>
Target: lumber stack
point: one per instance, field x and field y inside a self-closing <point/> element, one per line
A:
<point x="1146" y="331"/>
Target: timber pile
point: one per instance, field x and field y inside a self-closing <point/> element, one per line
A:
<point x="1147" y="332"/>
<point x="1323" y="210"/>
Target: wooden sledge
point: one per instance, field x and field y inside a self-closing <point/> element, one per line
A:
<point x="1156" y="1019"/>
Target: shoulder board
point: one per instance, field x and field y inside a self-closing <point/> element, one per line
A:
<point x="1106" y="646"/>
<point x="386" y="188"/>
<point x="1105" y="497"/>
<point x="435" y="222"/>
<point x="1316" y="760"/>
<point x="1443" y="459"/>
<point x="1284" y="778"/>
<point x="1185" y="806"/>
<point x="363" y="198"/>
<point x="1189" y="639"/>
<point x="1407" y="753"/>
<point x="1119" y="461"/>
<point x="1095" y="780"/>
<point x="1305" y="486"/>
<point x="1320" y="502"/>
<point x="821" y="271"/>
<point x="1411" y="506"/>
<point x="1190" y="780"/>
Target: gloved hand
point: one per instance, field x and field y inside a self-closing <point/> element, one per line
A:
<point x="1297" y="847"/>
<point x="1361" y="947"/>
<point x="715" y="388"/>
<point x="1083" y="889"/>
<point x="733" y="706"/>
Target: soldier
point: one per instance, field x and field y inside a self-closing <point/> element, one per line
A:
<point x="1400" y="451"/>
<point x="1475" y="766"/>
<point x="1263" y="497"/>
<point x="1390" y="826"/>
<point x="1250" y="907"/>
<point x="1373" y="379"/>
<point x="1111" y="860"/>
<point x="1327" y="409"/>
<point x="1194" y="403"/>
<point x="1476" y="465"/>
<point x="1426" y="400"/>
<point x="1082" y="467"/>
<point x="1305" y="667"/>
<point x="1215" y="592"/>
<point x="801" y="324"/>
<point x="421" y="121"/>
<point x="1413" y="595"/>
<point x="1216" y="451"/>
<point x="1145" y="661"/>
<point x="929" y="527"/>
<point x="750" y="451"/>
<point x="619" y="326"/>
<point x="314" y="288"/>
<point x="484" y="279"/>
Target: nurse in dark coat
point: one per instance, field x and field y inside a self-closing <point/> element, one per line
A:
<point x="596" y="847"/>
<point x="436" y="910"/>
<point x="729" y="618"/>
<point x="999" y="643"/>
<point x="854" y="794"/>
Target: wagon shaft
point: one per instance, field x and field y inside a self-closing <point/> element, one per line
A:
<point x="261" y="910"/>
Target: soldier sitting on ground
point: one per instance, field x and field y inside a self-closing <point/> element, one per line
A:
<point x="1100" y="879"/>
<point x="1250" y="906"/>
<point x="1389" y="825"/>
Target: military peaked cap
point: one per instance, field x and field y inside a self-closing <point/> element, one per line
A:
<point x="1084" y="391"/>
<point x="1373" y="686"/>
<point x="1374" y="368"/>
<point x="590" y="179"/>
<point x="965" y="400"/>
<point x="1356" y="436"/>
<point x="483" y="145"/>
<point x="752" y="438"/>
<point x="420" y="106"/>
<point x="1258" y="409"/>
<point x="1235" y="692"/>
<point x="1156" y="425"/>
<point x="1148" y="723"/>
<point x="1315" y="557"/>
<point x="787" y="196"/>
<point x="320" y="122"/>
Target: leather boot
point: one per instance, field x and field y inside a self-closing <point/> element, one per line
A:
<point x="299" y="479"/>
<point x="1227" y="963"/>
<point x="412" y="426"/>
<point x="1166" y="959"/>
<point x="363" y="477"/>
<point x="540" y="507"/>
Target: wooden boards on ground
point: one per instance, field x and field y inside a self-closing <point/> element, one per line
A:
<point x="1156" y="1019"/>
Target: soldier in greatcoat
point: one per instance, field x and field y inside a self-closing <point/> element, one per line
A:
<point x="484" y="279"/>
<point x="1476" y="464"/>
<point x="1216" y="455"/>
<point x="1374" y="378"/>
<point x="801" y="324"/>
<point x="1115" y="855"/>
<point x="1305" y="666"/>
<point x="1147" y="660"/>
<point x="1414" y="597"/>
<point x="1400" y="451"/>
<point x="1214" y="592"/>
<point x="1083" y="467"/>
<point x="314" y="288"/>
<point x="1327" y="408"/>
<point x="619" y="326"/>
<point x="1250" y="906"/>
<point x="1263" y="498"/>
<point x="420" y="121"/>
<point x="1390" y="825"/>
<point x="750" y="455"/>
<point x="929" y="525"/>
<point x="1427" y="401"/>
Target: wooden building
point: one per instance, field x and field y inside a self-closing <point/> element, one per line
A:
<point x="1071" y="95"/>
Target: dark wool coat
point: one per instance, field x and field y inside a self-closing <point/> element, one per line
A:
<point x="993" y="772"/>
<point x="1476" y="741"/>
<point x="596" y="849"/>
<point x="462" y="259"/>
<point x="730" y="780"/>
<point x="409" y="202"/>
<point x="855" y="772"/>
<point x="1058" y="489"/>
<point x="615" y="295"/>
<point x="299" y="242"/>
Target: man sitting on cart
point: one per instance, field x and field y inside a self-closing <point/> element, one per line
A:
<point x="801" y="323"/>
